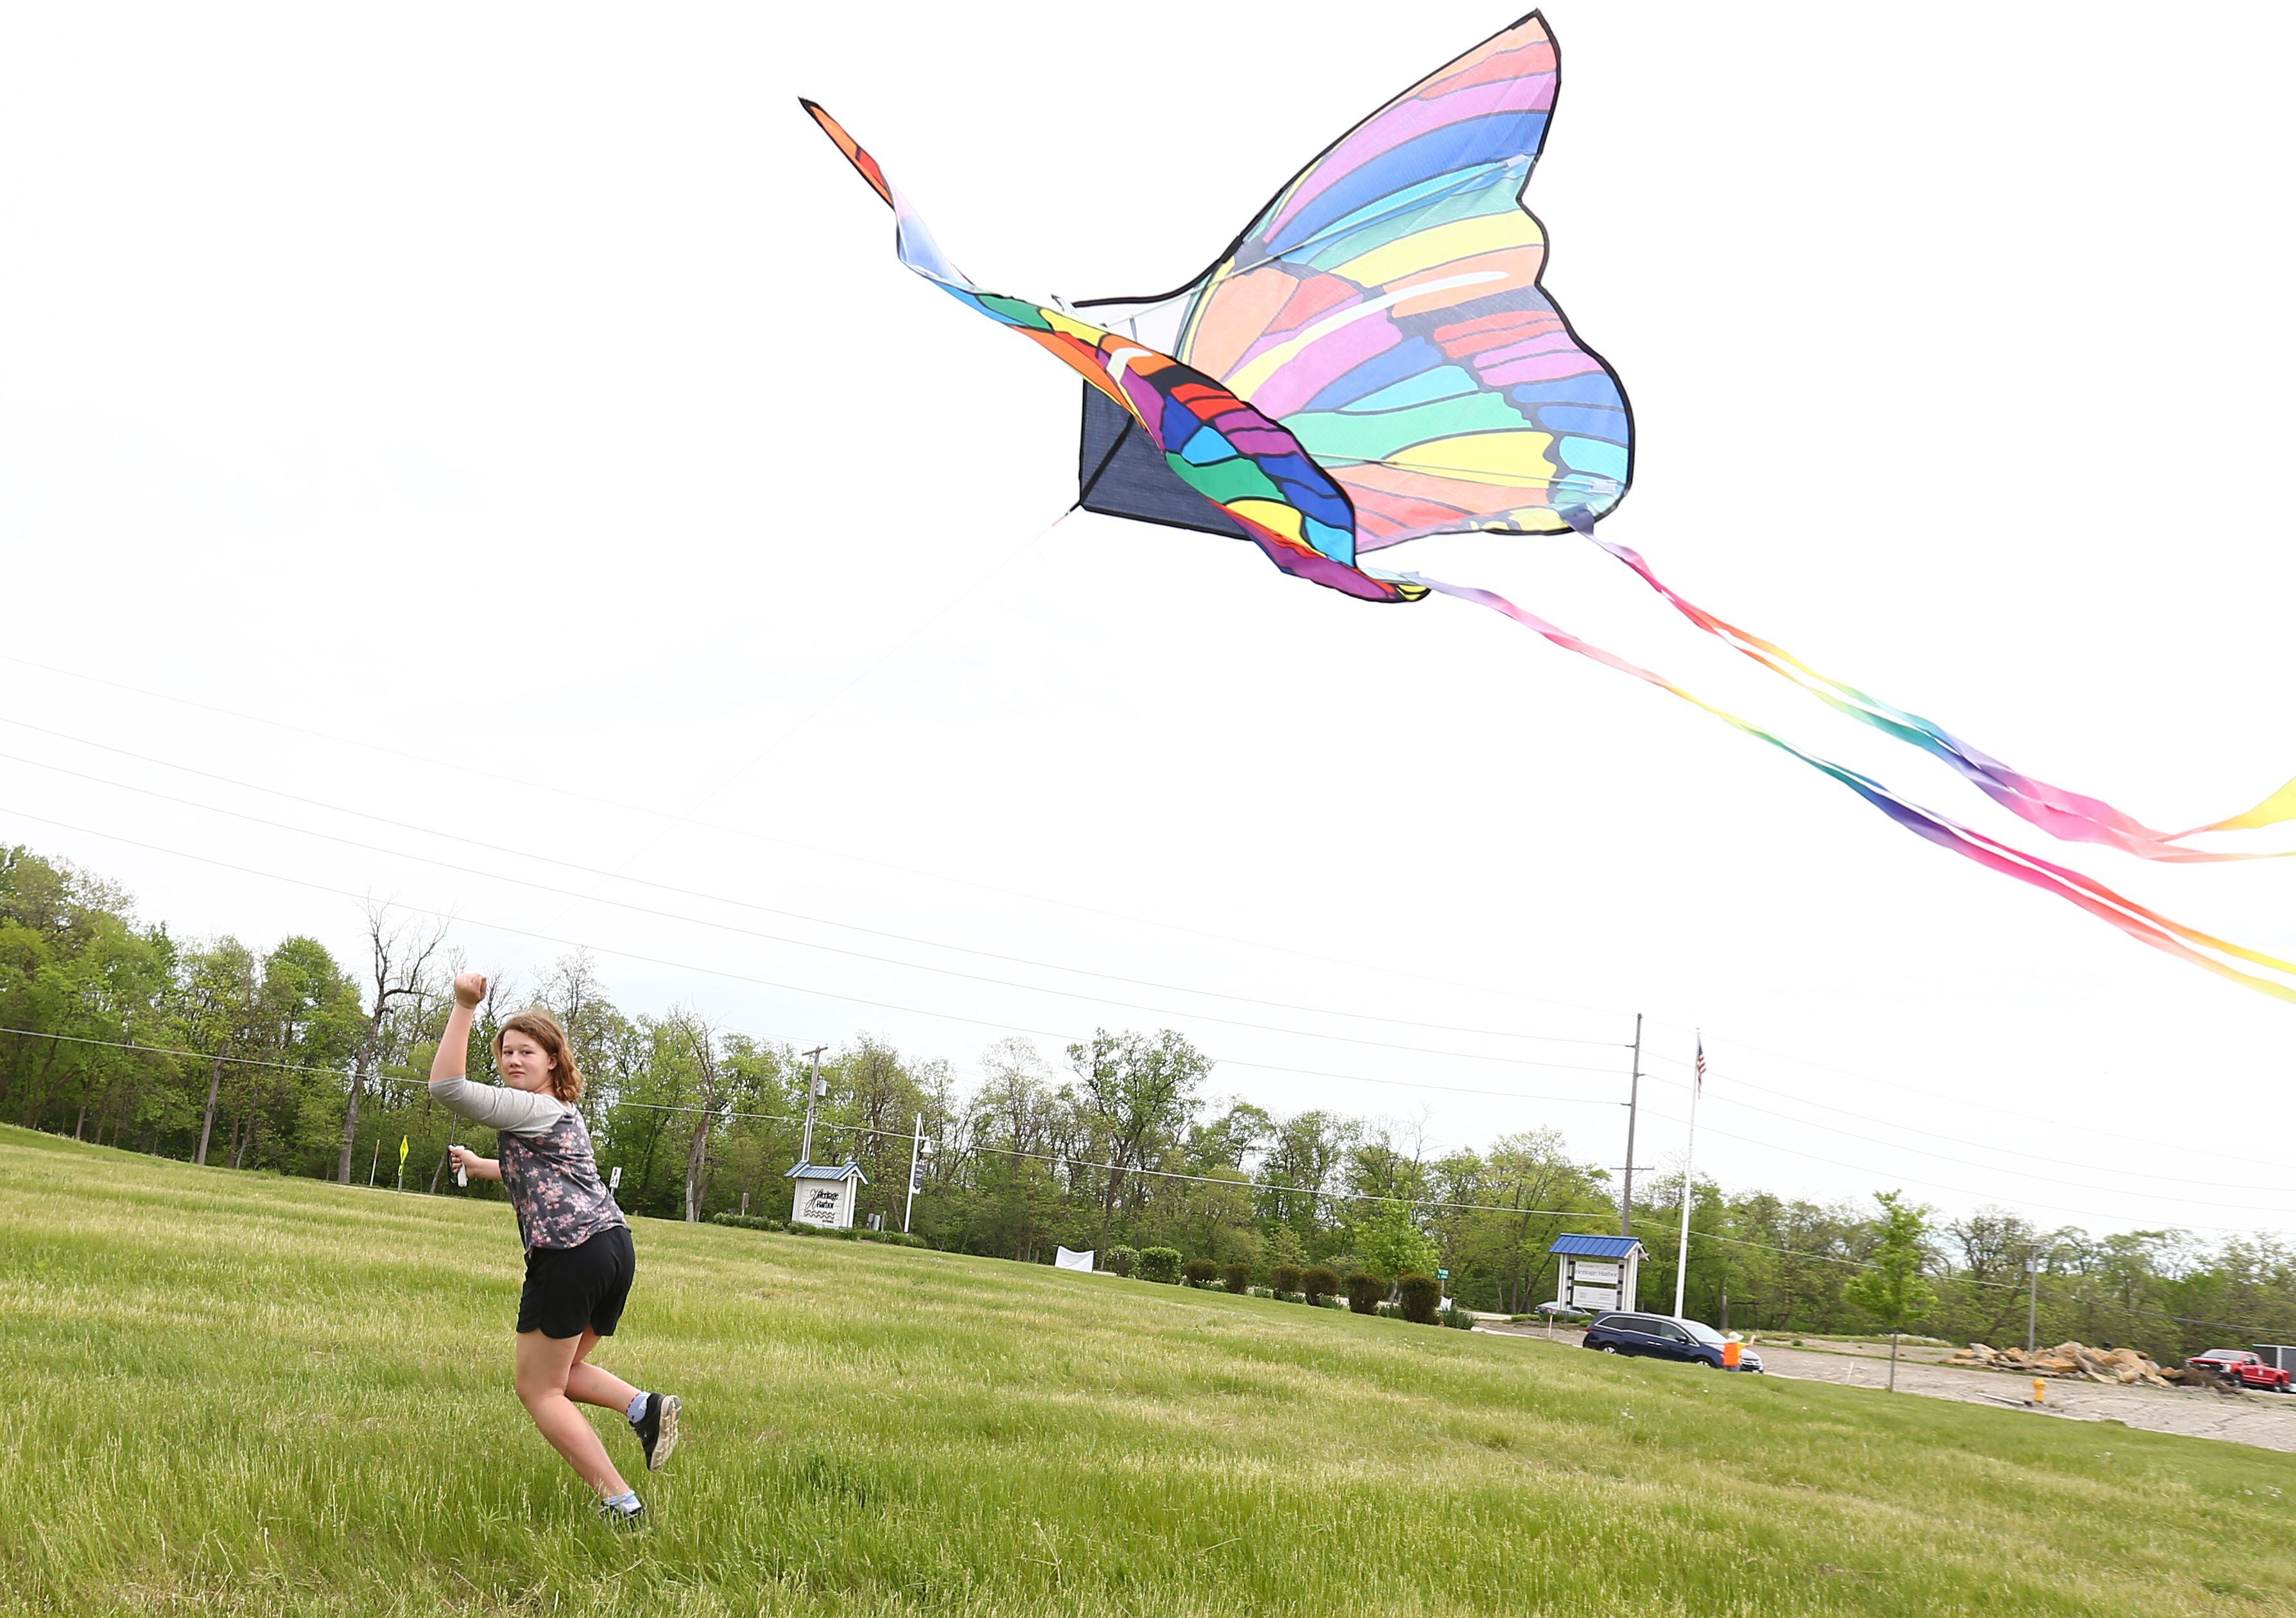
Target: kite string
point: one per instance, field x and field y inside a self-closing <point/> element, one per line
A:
<point x="2145" y="925"/>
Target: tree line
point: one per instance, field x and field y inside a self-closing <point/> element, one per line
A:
<point x="290" y="1060"/>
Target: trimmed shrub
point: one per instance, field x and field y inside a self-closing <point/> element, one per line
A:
<point x="1200" y="1272"/>
<point x="1459" y="1317"/>
<point x="1420" y="1295"/>
<point x="1365" y="1291"/>
<point x="1237" y="1279"/>
<point x="798" y="1227"/>
<point x="746" y="1221"/>
<point x="1121" y="1261"/>
<point x="1286" y="1278"/>
<point x="1319" y="1284"/>
<point x="1160" y="1264"/>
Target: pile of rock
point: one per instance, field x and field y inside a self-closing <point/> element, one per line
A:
<point x="2119" y="1365"/>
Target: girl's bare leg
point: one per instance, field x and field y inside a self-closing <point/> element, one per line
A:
<point x="587" y="1384"/>
<point x="543" y="1365"/>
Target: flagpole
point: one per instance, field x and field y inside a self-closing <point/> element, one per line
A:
<point x="1689" y="1162"/>
<point x="916" y="1150"/>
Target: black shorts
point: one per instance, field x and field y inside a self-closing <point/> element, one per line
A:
<point x="571" y="1290"/>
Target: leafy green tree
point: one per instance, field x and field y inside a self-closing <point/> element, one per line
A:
<point x="1893" y="1290"/>
<point x="1135" y="1094"/>
<point x="221" y="1011"/>
<point x="1390" y="1243"/>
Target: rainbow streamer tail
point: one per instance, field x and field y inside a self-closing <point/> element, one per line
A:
<point x="2146" y="926"/>
<point x="2067" y="816"/>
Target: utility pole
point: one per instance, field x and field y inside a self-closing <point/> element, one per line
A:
<point x="1634" y="1105"/>
<point x="916" y="1151"/>
<point x="812" y="1091"/>
<point x="2032" y="1296"/>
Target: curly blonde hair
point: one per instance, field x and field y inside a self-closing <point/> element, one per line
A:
<point x="544" y="1030"/>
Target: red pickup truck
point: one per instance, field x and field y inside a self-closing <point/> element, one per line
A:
<point x="2248" y="1369"/>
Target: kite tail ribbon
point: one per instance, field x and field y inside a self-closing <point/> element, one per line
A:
<point x="2069" y="816"/>
<point x="2145" y="924"/>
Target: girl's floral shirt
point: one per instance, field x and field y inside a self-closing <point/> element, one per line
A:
<point x="548" y="1165"/>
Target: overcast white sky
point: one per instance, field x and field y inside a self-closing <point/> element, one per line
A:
<point x="533" y="388"/>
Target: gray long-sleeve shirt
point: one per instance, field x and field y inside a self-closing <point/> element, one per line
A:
<point x="548" y="1165"/>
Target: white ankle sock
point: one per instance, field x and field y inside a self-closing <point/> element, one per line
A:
<point x="638" y="1407"/>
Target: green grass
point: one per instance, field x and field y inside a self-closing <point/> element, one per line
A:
<point x="231" y="1394"/>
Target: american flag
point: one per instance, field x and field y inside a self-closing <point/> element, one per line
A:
<point x="1698" y="1085"/>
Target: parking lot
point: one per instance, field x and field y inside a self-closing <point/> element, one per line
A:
<point x="2266" y="1420"/>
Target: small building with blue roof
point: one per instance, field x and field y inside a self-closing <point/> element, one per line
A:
<point x="826" y="1193"/>
<point x="1599" y="1272"/>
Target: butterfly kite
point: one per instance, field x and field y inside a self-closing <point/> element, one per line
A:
<point x="1374" y="361"/>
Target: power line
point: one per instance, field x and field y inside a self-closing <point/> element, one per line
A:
<point x="1865" y="1168"/>
<point x="860" y="1129"/>
<point x="2010" y="1112"/>
<point x="1006" y="983"/>
<point x="622" y="805"/>
<point x="835" y="853"/>
<point x="727" y="926"/>
<point x="682" y="966"/>
<point x="205" y="1055"/>
<point x="1066" y="995"/>
<point x="935" y="944"/>
<point x="703" y="894"/>
<point x="1049" y="1034"/>
<point x="1158" y="1010"/>
<point x="980" y="577"/>
<point x="1064" y="1161"/>
<point x="1726" y="1099"/>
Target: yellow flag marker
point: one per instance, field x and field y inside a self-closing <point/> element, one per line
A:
<point x="402" y="1151"/>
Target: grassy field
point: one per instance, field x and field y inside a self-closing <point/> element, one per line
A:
<point x="230" y="1393"/>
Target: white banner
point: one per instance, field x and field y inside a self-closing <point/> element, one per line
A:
<point x="1595" y="1272"/>
<point x="1062" y="1259"/>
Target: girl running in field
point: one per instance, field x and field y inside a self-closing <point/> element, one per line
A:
<point x="578" y="1258"/>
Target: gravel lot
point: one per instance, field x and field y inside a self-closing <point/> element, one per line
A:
<point x="2267" y="1420"/>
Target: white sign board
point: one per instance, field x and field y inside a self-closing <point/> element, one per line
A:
<point x="1599" y="1284"/>
<point x="827" y="1203"/>
<point x="1062" y="1259"/>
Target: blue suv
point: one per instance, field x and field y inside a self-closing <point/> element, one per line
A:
<point x="1664" y="1337"/>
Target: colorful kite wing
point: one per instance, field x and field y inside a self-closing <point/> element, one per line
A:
<point x="1228" y="452"/>
<point x="1386" y="307"/>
